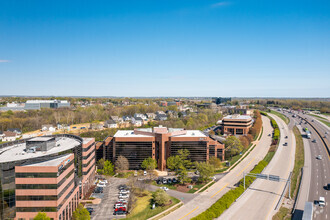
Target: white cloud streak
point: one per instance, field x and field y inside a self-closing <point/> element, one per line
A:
<point x="4" y="61"/>
<point x="220" y="4"/>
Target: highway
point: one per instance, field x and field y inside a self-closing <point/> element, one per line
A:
<point x="205" y="199"/>
<point x="319" y="170"/>
<point x="260" y="200"/>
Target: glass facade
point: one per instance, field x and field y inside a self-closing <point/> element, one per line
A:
<point x="197" y="149"/>
<point x="7" y="176"/>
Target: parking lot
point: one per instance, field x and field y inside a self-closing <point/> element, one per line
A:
<point x="105" y="209"/>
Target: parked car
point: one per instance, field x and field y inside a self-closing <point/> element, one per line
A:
<point x="169" y="181"/>
<point x="119" y="213"/>
<point x="123" y="191"/>
<point x="90" y="210"/>
<point x="122" y="201"/>
<point x="101" y="184"/>
<point x="98" y="190"/>
<point x="104" y="180"/>
<point x="164" y="181"/>
<point x="145" y="173"/>
<point x="327" y="186"/>
<point x="123" y="196"/>
<point x="321" y="201"/>
<point x="159" y="182"/>
<point x="174" y="180"/>
<point x="164" y="188"/>
<point x="319" y="157"/>
<point x="117" y="206"/>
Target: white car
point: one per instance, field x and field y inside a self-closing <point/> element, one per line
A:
<point x="124" y="191"/>
<point x="101" y="184"/>
<point x="319" y="157"/>
<point x="123" y="196"/>
<point x="105" y="181"/>
<point x="145" y="173"/>
<point x="164" y="188"/>
<point x="322" y="201"/>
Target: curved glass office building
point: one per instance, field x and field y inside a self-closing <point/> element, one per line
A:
<point x="39" y="161"/>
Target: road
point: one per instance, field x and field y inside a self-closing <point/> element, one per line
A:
<point x="260" y="199"/>
<point x="319" y="169"/>
<point x="205" y="199"/>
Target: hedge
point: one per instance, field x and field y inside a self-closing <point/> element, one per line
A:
<point x="228" y="198"/>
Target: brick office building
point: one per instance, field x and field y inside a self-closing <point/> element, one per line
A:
<point x="49" y="174"/>
<point x="159" y="143"/>
<point x="237" y="124"/>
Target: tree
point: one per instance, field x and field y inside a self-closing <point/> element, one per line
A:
<point x="160" y="197"/>
<point x="244" y="141"/>
<point x="233" y="146"/>
<point x="184" y="161"/>
<point x="100" y="164"/>
<point x="183" y="176"/>
<point x="108" y="168"/>
<point x="215" y="162"/>
<point x="212" y="133"/>
<point x="41" y="216"/>
<point x="205" y="170"/>
<point x="173" y="162"/>
<point x="149" y="164"/>
<point x="122" y="163"/>
<point x="81" y="213"/>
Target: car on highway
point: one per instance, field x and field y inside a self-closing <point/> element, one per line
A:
<point x="286" y="136"/>
<point x="314" y="141"/>
<point x="321" y="201"/>
<point x="164" y="188"/>
<point x="269" y="135"/>
<point x="327" y="186"/>
<point x="319" y="157"/>
<point x="285" y="144"/>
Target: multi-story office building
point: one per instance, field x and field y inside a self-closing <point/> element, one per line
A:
<point x="38" y="104"/>
<point x="47" y="174"/>
<point x="237" y="124"/>
<point x="159" y="143"/>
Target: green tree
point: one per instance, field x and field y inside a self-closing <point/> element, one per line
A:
<point x="173" y="162"/>
<point x="205" y="170"/>
<point x="108" y="168"/>
<point x="183" y="176"/>
<point x="160" y="197"/>
<point x="184" y="158"/>
<point x="41" y="216"/>
<point x="149" y="164"/>
<point x="81" y="213"/>
<point x="100" y="164"/>
<point x="215" y="162"/>
<point x="233" y="146"/>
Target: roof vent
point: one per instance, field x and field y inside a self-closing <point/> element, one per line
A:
<point x="193" y="134"/>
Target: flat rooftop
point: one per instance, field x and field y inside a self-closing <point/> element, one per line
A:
<point x="50" y="163"/>
<point x="189" y="133"/>
<point x="41" y="139"/>
<point x="237" y="117"/>
<point x="16" y="152"/>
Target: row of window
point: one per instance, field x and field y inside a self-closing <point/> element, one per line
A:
<point x="92" y="167"/>
<point x="87" y="156"/>
<point x="86" y="165"/>
<point x="35" y="198"/>
<point x="89" y="147"/>
<point x="36" y="209"/>
<point x="36" y="175"/>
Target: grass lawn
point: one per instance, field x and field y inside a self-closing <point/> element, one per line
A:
<point x="269" y="156"/>
<point x="125" y="174"/>
<point x="323" y="120"/>
<point x="196" y="187"/>
<point x="298" y="162"/>
<point x="143" y="210"/>
<point x="170" y="186"/>
<point x="282" y="214"/>
<point x="283" y="117"/>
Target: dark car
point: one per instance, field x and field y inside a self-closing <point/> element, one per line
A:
<point x="90" y="210"/>
<point x="174" y="180"/>
<point x="98" y="190"/>
<point x="328" y="186"/>
<point x="119" y="213"/>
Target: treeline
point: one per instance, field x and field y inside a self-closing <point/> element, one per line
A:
<point x="323" y="106"/>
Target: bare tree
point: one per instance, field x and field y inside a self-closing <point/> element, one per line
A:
<point x="121" y="163"/>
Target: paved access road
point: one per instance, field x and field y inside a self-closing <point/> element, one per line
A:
<point x="205" y="199"/>
<point x="320" y="169"/>
<point x="260" y="200"/>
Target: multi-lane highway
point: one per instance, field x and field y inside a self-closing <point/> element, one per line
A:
<point x="205" y="199"/>
<point x="317" y="170"/>
<point x="260" y="200"/>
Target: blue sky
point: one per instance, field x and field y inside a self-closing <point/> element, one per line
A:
<point x="239" y="48"/>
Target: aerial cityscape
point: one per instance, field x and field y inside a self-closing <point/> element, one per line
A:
<point x="170" y="110"/>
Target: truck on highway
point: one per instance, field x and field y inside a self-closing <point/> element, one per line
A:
<point x="308" y="211"/>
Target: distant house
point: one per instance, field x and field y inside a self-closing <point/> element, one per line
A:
<point x="127" y="118"/>
<point x="15" y="130"/>
<point x="48" y="128"/>
<point x="182" y="114"/>
<point x="110" y="124"/>
<point x="96" y="126"/>
<point x="9" y="136"/>
<point x="151" y="116"/>
<point x="139" y="115"/>
<point x="1" y="135"/>
<point x="172" y="114"/>
<point x="137" y="121"/>
<point x="161" y="116"/>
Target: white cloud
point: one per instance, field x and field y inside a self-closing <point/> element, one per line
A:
<point x="4" y="61"/>
<point x="219" y="4"/>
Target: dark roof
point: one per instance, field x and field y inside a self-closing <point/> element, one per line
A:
<point x="14" y="130"/>
<point x="138" y="119"/>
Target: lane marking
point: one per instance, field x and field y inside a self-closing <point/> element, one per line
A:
<point x="245" y="167"/>
<point x="220" y="190"/>
<point x="189" y="213"/>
